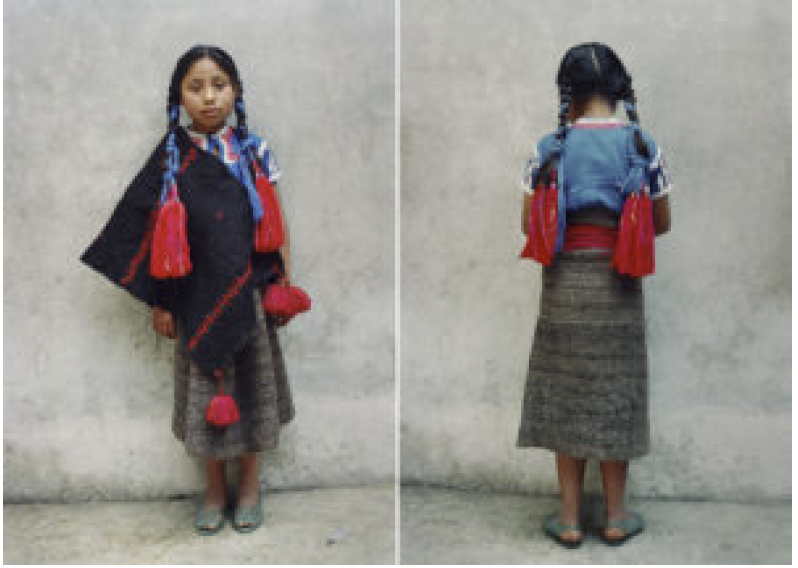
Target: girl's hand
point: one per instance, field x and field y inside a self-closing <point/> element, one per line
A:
<point x="163" y="322"/>
<point x="280" y="321"/>
<point x="525" y="213"/>
<point x="662" y="215"/>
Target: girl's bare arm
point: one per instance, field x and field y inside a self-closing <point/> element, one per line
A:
<point x="662" y="215"/>
<point x="525" y="213"/>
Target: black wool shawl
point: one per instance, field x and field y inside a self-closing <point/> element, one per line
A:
<point x="214" y="302"/>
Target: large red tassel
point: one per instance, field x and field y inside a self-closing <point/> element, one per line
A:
<point x="634" y="252"/>
<point x="542" y="229"/>
<point x="269" y="233"/>
<point x="170" y="256"/>
<point x="222" y="410"/>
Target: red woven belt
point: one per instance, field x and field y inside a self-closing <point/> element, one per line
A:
<point x="589" y="237"/>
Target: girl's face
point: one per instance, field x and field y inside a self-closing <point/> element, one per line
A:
<point x="208" y="95"/>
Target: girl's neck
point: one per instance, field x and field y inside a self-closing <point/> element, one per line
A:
<point x="595" y="107"/>
<point x="198" y="130"/>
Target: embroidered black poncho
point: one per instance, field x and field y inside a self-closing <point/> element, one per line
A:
<point x="213" y="303"/>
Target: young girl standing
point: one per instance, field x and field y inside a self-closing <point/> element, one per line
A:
<point x="210" y="303"/>
<point x="586" y="393"/>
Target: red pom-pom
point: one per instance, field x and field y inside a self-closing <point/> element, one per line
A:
<point x="285" y="301"/>
<point x="269" y="233"/>
<point x="542" y="229"/>
<point x="170" y="256"/>
<point x="222" y="411"/>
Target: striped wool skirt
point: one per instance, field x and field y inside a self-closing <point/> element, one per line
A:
<point x="586" y="393"/>
<point x="257" y="381"/>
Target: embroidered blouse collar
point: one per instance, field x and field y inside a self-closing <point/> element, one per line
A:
<point x="221" y="143"/>
<point x="597" y="122"/>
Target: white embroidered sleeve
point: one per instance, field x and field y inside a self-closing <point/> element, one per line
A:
<point x="659" y="179"/>
<point x="266" y="157"/>
<point x="531" y="170"/>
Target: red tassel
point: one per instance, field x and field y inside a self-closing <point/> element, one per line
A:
<point x="285" y="301"/>
<point x="169" y="256"/>
<point x="634" y="252"/>
<point x="269" y="233"/>
<point x="222" y="410"/>
<point x="542" y="230"/>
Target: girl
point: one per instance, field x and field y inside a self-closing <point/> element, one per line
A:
<point x="586" y="393"/>
<point x="223" y="339"/>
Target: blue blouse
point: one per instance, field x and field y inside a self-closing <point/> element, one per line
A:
<point x="597" y="157"/>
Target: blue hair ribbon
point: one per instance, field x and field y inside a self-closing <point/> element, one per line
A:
<point x="244" y="148"/>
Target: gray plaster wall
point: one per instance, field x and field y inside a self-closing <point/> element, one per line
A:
<point x="713" y="86"/>
<point x="88" y="389"/>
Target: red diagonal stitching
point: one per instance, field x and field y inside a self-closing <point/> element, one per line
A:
<point x="234" y="289"/>
<point x="145" y="244"/>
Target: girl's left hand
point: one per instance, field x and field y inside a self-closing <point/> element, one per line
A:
<point x="280" y="321"/>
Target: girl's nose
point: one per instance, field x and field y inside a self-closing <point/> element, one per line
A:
<point x="208" y="95"/>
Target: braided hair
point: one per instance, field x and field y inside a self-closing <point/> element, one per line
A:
<point x="588" y="70"/>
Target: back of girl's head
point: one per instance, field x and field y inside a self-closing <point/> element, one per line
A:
<point x="588" y="70"/>
<point x="593" y="69"/>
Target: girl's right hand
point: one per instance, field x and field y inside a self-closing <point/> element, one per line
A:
<point x="163" y="322"/>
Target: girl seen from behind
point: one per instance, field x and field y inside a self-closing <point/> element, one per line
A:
<point x="586" y="394"/>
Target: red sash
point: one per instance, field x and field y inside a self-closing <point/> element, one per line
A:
<point x="589" y="237"/>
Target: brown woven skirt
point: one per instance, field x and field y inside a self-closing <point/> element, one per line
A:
<point x="257" y="381"/>
<point x="586" y="392"/>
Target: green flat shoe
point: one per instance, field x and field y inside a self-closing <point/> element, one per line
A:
<point x="631" y="525"/>
<point x="555" y="529"/>
<point x="208" y="521"/>
<point x="248" y="519"/>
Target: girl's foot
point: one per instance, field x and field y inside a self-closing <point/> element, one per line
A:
<point x="210" y="516"/>
<point x="620" y="528"/>
<point x="565" y="531"/>
<point x="248" y="515"/>
<point x="248" y="518"/>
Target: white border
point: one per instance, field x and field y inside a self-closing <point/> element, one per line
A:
<point x="397" y="285"/>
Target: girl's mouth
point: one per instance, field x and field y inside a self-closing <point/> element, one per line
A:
<point x="210" y="112"/>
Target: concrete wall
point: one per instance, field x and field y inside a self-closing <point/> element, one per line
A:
<point x="88" y="389"/>
<point x="477" y="90"/>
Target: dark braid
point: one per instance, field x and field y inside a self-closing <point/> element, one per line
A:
<point x="631" y="112"/>
<point x="620" y="86"/>
<point x="544" y="173"/>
